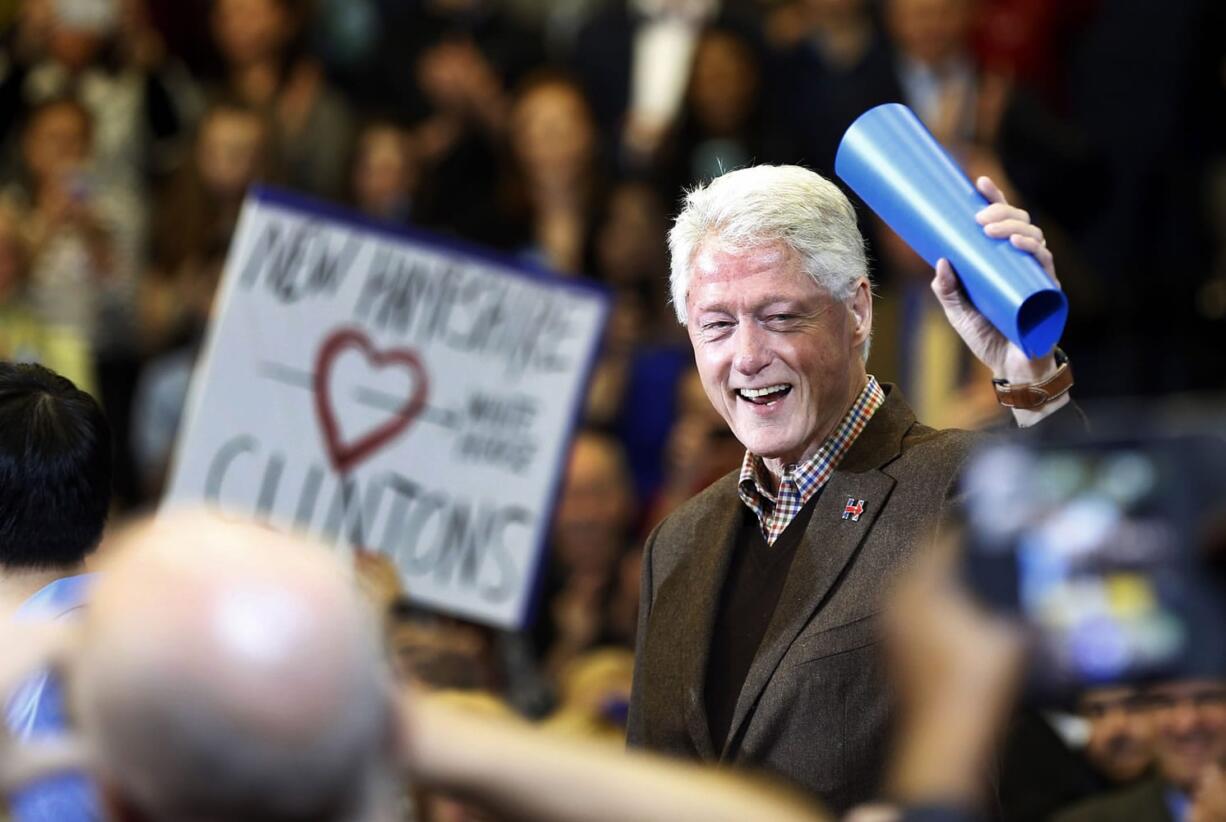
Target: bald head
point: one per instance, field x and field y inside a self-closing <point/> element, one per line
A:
<point x="228" y="672"/>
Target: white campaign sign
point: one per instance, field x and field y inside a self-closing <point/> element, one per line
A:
<point x="385" y="391"/>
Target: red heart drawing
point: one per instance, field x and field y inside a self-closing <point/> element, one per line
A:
<point x="345" y="455"/>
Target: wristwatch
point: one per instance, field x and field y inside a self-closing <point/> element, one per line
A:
<point x="1033" y="395"/>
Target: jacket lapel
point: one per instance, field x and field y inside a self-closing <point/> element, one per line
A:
<point x="829" y="544"/>
<point x="690" y="601"/>
<point x="1152" y="803"/>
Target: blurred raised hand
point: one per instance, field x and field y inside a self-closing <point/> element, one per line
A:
<point x="29" y="648"/>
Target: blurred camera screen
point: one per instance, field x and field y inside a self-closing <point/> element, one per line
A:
<point x="1101" y="549"/>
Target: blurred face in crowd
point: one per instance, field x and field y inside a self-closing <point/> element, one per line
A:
<point x="443" y="653"/>
<point x="627" y="321"/>
<point x="930" y="31"/>
<point x="1120" y="732"/>
<point x="76" y="30"/>
<point x="230" y="151"/>
<point x="694" y="407"/>
<point x="594" y="512"/>
<point x="12" y="257"/>
<point x="74" y="48"/>
<point x="57" y="141"/>
<point x="692" y="398"/>
<point x="384" y="172"/>
<point x="1189" y="725"/>
<point x="724" y="82"/>
<point x="249" y="31"/>
<point x="778" y="355"/>
<point x="836" y="9"/>
<point x="10" y="265"/>
<point x="454" y="6"/>
<point x="552" y="133"/>
<point x="629" y="244"/>
<point x="700" y="444"/>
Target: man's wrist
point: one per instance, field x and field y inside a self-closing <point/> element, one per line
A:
<point x="1052" y="378"/>
<point x="1028" y="371"/>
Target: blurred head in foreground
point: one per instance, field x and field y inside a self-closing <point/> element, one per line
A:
<point x="230" y="673"/>
<point x="55" y="470"/>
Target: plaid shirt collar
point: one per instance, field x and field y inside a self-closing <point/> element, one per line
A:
<point x="801" y="482"/>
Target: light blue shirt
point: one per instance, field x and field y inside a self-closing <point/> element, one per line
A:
<point x="1179" y="804"/>
<point x="36" y="711"/>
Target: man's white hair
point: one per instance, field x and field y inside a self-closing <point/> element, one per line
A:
<point x="764" y="204"/>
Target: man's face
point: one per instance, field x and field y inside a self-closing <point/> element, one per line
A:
<point x="930" y="31"/>
<point x="229" y="152"/>
<point x="777" y="354"/>
<point x="12" y="259"/>
<point x="551" y="130"/>
<point x="250" y="30"/>
<point x="595" y="508"/>
<point x="57" y="141"/>
<point x="1120" y="732"/>
<point x="1189" y="722"/>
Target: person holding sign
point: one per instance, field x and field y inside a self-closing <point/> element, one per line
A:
<point x="758" y="639"/>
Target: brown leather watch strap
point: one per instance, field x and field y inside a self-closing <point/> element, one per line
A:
<point x="1034" y="395"/>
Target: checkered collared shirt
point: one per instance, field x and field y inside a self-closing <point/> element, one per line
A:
<point x="800" y="482"/>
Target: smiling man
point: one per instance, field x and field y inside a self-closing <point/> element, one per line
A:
<point x="1188" y="720"/>
<point x="758" y="631"/>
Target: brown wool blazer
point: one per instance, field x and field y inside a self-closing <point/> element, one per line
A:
<point x="815" y="706"/>
<point x="1144" y="802"/>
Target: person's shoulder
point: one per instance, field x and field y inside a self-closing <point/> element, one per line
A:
<point x="925" y="437"/>
<point x="935" y="450"/>
<point x="1142" y="802"/>
<point x="894" y="435"/>
<point x="698" y="509"/>
<point x="695" y="524"/>
<point x="704" y="521"/>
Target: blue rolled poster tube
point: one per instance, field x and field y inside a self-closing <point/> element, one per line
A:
<point x="899" y="169"/>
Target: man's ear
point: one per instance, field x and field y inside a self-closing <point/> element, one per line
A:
<point x="861" y="308"/>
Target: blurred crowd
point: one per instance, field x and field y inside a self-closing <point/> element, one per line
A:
<point x="563" y="133"/>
